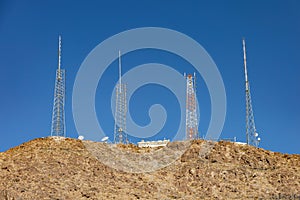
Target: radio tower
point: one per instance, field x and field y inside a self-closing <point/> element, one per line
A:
<point x="191" y="111"/>
<point x="120" y="135"/>
<point x="251" y="134"/>
<point x="58" y="116"/>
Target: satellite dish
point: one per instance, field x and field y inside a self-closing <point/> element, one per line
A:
<point x="80" y="137"/>
<point x="104" y="139"/>
<point x="258" y="139"/>
<point x="256" y="134"/>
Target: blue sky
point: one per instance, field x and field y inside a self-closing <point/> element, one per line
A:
<point x="28" y="60"/>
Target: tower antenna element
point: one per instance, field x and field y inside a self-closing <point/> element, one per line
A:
<point x="251" y="134"/>
<point x="120" y="135"/>
<point x="58" y="127"/>
<point x="59" y="51"/>
<point x="120" y="70"/>
<point x="191" y="108"/>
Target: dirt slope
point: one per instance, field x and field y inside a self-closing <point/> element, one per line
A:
<point x="48" y="169"/>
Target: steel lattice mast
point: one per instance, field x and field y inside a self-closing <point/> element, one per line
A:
<point x="120" y="135"/>
<point x="191" y="111"/>
<point x="58" y="116"/>
<point x="251" y="134"/>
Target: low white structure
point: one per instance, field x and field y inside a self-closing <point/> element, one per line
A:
<point x="57" y="138"/>
<point x="104" y="139"/>
<point x="80" y="137"/>
<point x="242" y="143"/>
<point x="158" y="143"/>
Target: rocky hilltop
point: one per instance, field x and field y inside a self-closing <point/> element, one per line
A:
<point x="47" y="168"/>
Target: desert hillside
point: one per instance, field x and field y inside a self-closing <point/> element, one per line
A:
<point x="47" y="168"/>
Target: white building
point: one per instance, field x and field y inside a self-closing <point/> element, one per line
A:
<point x="158" y="143"/>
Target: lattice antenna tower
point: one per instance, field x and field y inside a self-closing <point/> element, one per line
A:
<point x="251" y="134"/>
<point x="191" y="105"/>
<point x="58" y="127"/>
<point x="120" y="135"/>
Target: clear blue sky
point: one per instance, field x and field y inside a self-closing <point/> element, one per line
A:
<point x="28" y="60"/>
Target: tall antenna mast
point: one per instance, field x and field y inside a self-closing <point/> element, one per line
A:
<point x="120" y="135"/>
<point x="251" y="134"/>
<point x="58" y="127"/>
<point x="191" y="111"/>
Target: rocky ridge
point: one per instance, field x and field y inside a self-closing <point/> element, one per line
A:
<point x="45" y="168"/>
